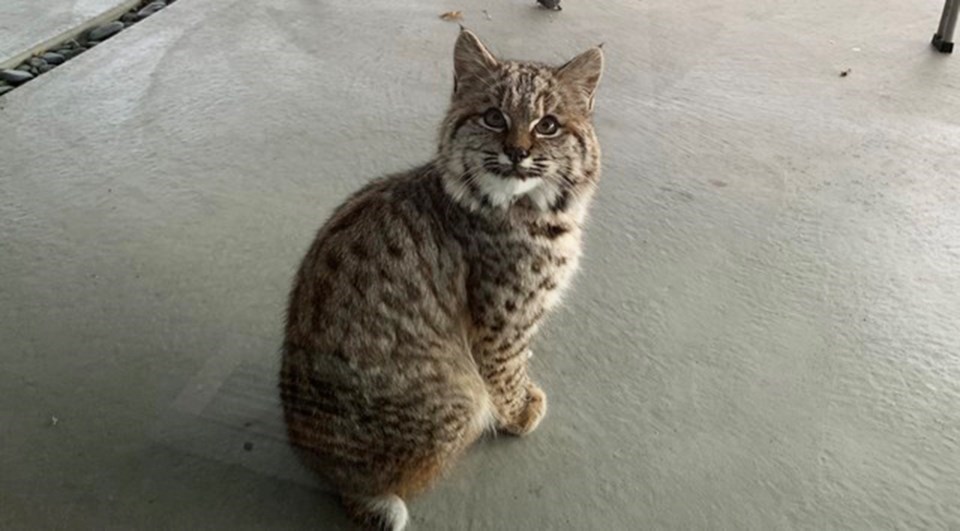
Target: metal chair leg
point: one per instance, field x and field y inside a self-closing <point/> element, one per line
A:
<point x="943" y="39"/>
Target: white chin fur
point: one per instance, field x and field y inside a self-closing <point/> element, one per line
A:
<point x="503" y="191"/>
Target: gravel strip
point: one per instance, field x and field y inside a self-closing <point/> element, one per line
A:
<point x="62" y="52"/>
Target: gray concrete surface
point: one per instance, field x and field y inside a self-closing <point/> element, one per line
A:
<point x="764" y="336"/>
<point x="29" y="26"/>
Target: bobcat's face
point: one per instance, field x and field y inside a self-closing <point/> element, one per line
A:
<point x="520" y="131"/>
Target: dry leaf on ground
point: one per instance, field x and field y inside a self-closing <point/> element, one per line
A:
<point x="451" y="16"/>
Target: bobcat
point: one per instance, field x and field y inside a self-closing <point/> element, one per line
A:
<point x="411" y="316"/>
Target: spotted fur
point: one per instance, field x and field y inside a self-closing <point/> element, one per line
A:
<point x="410" y="318"/>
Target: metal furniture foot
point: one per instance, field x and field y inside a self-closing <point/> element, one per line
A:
<point x="943" y="39"/>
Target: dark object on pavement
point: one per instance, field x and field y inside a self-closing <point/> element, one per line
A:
<point x="550" y="4"/>
<point x="943" y="38"/>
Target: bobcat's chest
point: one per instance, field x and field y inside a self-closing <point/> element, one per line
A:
<point x="514" y="281"/>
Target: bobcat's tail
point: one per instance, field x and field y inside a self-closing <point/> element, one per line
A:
<point x="381" y="513"/>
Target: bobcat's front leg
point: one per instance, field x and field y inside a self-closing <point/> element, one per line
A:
<point x="520" y="403"/>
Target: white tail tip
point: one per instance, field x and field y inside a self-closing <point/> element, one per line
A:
<point x="389" y="511"/>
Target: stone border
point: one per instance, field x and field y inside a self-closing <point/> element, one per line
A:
<point x="74" y="45"/>
<point x="11" y="61"/>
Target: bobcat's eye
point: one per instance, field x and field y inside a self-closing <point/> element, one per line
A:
<point x="494" y="119"/>
<point x="547" y="126"/>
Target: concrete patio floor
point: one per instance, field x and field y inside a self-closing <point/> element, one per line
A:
<point x="765" y="333"/>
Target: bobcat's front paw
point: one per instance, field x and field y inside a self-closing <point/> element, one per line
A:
<point x="532" y="413"/>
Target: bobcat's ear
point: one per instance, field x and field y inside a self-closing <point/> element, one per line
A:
<point x="471" y="60"/>
<point x="582" y="75"/>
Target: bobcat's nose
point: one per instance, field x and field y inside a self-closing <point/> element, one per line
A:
<point x="516" y="154"/>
